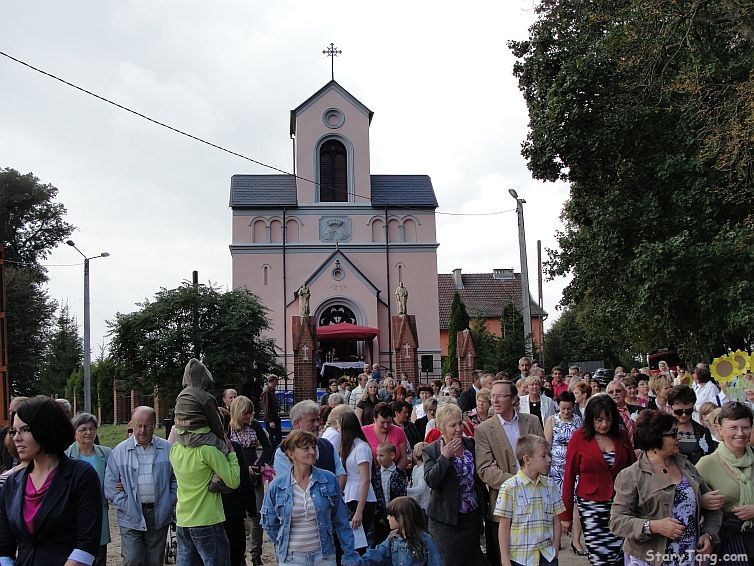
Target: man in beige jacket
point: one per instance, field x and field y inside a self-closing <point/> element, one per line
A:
<point x="495" y="451"/>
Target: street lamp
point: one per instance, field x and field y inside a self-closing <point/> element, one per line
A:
<point x="87" y="329"/>
<point x="525" y="302"/>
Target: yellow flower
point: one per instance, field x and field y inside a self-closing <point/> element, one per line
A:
<point x="723" y="369"/>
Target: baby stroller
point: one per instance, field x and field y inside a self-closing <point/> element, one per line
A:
<point x="171" y="546"/>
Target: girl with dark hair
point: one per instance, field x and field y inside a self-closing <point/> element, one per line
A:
<point x="51" y="510"/>
<point x="356" y="456"/>
<point x="409" y="542"/>
<point x="597" y="453"/>
<point x="660" y="504"/>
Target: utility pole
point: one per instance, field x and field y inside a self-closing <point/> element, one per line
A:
<point x="525" y="301"/>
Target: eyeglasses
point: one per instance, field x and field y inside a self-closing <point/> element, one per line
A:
<point x="738" y="429"/>
<point x="672" y="434"/>
<point x="24" y="430"/>
<point x="687" y="412"/>
<point x="144" y="427"/>
<point x="85" y="429"/>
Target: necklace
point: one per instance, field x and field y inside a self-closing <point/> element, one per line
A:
<point x="661" y="466"/>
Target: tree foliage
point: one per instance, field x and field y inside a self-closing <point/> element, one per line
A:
<point x="154" y="343"/>
<point x="512" y="343"/>
<point x="646" y="107"/>
<point x="31" y="225"/>
<point x="459" y="321"/>
<point x="64" y="356"/>
<point x="566" y="341"/>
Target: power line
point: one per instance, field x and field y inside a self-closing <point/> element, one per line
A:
<point x="43" y="264"/>
<point x="217" y="146"/>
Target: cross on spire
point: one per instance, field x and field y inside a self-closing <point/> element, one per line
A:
<point x="332" y="52"/>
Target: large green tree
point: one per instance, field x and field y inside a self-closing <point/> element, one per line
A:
<point x="31" y="225"/>
<point x="459" y="321"/>
<point x="512" y="343"/>
<point x="154" y="343"/>
<point x="64" y="356"/>
<point x="646" y="107"/>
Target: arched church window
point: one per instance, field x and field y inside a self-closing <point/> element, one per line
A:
<point x="333" y="172"/>
<point x="336" y="314"/>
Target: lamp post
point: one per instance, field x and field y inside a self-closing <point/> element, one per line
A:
<point x="525" y="302"/>
<point x="87" y="329"/>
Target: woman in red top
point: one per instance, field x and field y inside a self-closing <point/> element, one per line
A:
<point x="596" y="452"/>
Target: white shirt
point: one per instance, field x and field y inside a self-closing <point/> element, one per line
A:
<point x="419" y="489"/>
<point x="332" y="436"/>
<point x="511" y="431"/>
<point x="355" y="396"/>
<point x="708" y="392"/>
<point x="360" y="452"/>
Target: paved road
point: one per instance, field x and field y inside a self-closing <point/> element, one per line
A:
<point x="567" y="558"/>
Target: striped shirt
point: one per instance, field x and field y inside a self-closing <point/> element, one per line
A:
<point x="531" y="507"/>
<point x="145" y="481"/>
<point x="304" y="534"/>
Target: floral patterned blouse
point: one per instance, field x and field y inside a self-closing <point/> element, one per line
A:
<point x="465" y="471"/>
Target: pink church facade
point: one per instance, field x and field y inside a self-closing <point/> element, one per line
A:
<point x="349" y="236"/>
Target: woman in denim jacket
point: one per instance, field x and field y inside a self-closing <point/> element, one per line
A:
<point x="303" y="509"/>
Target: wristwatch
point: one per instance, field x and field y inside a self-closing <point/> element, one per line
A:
<point x="645" y="529"/>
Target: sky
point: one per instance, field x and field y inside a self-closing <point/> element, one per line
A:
<point x="438" y="76"/>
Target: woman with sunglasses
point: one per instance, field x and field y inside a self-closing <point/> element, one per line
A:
<point x="659" y="505"/>
<point x="694" y="439"/>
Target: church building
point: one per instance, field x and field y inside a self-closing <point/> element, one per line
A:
<point x="334" y="242"/>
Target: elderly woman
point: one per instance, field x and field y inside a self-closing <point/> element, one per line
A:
<point x="535" y="403"/>
<point x="303" y="509"/>
<point x="459" y="498"/>
<point x="660" y="386"/>
<point x="481" y="412"/>
<point x="369" y="400"/>
<point x="51" y="510"/>
<point x="430" y="407"/>
<point x="694" y="439"/>
<point x="85" y="427"/>
<point x="596" y="454"/>
<point x="730" y="471"/>
<point x="659" y="500"/>
<point x="246" y="431"/>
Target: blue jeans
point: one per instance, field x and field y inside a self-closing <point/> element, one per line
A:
<point x="311" y="558"/>
<point x="203" y="546"/>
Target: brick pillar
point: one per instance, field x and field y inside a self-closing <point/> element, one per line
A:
<point x="304" y="358"/>
<point x="137" y="399"/>
<point x="121" y="413"/>
<point x="405" y="348"/>
<point x="159" y="407"/>
<point x="466" y="351"/>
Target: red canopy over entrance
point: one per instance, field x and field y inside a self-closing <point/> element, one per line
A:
<point x="346" y="331"/>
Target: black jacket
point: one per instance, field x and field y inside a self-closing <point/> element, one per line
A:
<point x="241" y="501"/>
<point x="440" y="476"/>
<point x="467" y="401"/>
<point x="69" y="518"/>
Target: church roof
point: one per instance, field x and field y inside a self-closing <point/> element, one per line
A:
<point x="314" y="97"/>
<point x="261" y="191"/>
<point x="482" y="294"/>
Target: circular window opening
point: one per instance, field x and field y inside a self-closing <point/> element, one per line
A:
<point x="333" y="118"/>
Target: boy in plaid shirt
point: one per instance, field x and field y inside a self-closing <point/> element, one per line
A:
<point x="528" y="505"/>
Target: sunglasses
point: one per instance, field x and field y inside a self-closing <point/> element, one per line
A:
<point x="687" y="412"/>
<point x="672" y="434"/>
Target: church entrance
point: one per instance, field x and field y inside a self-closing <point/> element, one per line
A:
<point x="335" y="354"/>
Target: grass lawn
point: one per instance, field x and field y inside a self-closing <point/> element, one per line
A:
<point x="112" y="435"/>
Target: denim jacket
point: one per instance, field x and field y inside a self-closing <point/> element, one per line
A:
<point x="394" y="551"/>
<point x="123" y="468"/>
<point x="332" y="516"/>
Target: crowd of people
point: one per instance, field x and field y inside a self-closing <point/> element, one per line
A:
<point x="654" y="470"/>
